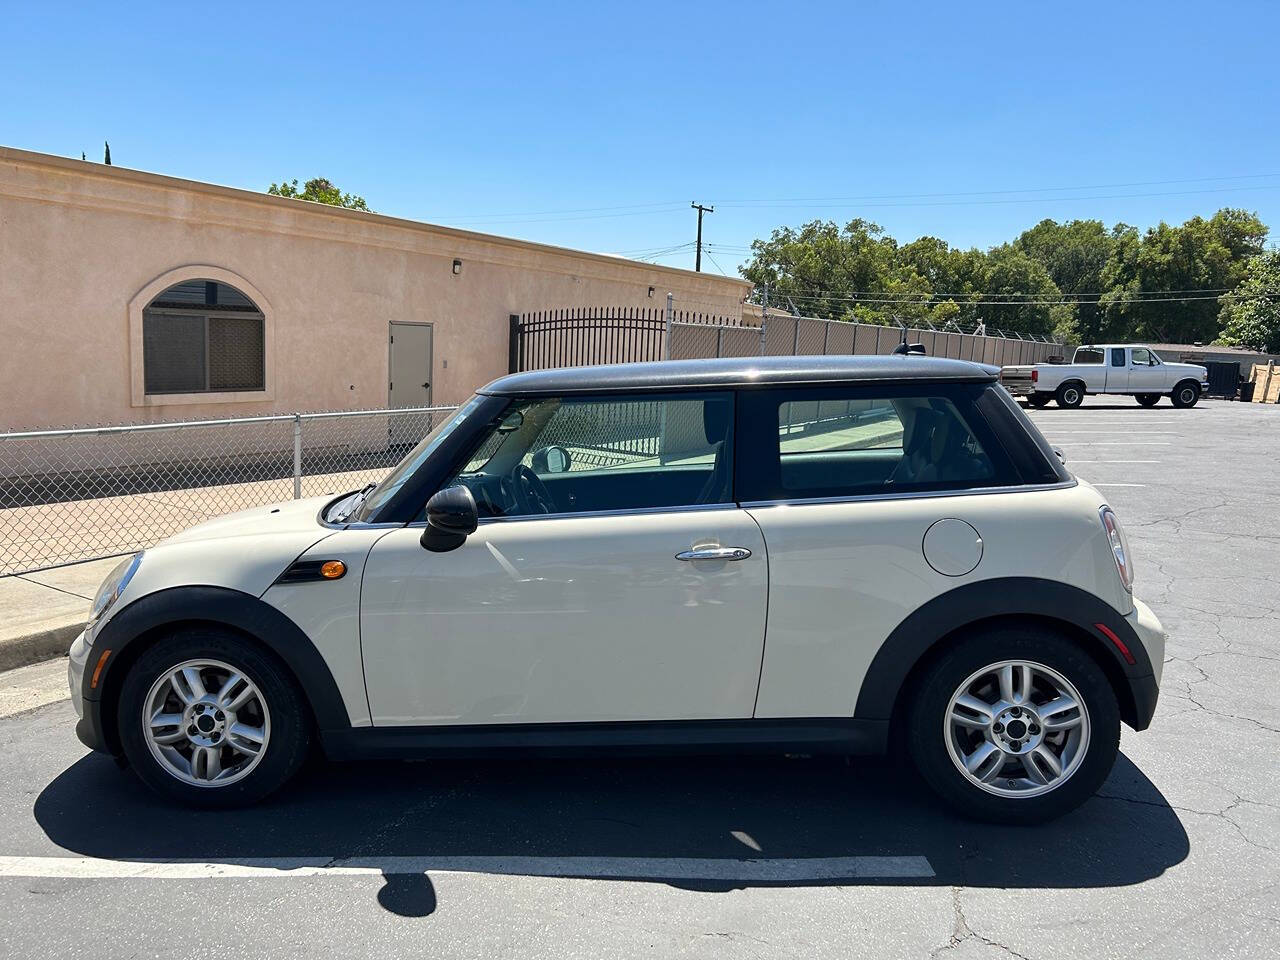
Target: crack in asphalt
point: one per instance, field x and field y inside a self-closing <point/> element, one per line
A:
<point x="961" y="932"/>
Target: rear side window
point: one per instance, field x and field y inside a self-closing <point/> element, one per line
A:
<point x="1117" y="356"/>
<point x="860" y="441"/>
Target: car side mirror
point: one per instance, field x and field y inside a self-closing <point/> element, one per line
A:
<point x="553" y="459"/>
<point x="451" y="518"/>
<point x="1151" y="362"/>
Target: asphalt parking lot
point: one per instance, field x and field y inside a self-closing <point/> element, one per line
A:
<point x="769" y="857"/>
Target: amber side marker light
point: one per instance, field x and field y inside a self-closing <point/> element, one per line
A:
<point x="332" y="569"/>
<point x="1120" y="644"/>
<point x="97" y="671"/>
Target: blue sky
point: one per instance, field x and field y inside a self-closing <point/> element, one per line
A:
<point x="594" y="125"/>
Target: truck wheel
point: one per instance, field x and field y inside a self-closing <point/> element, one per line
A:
<point x="1014" y="725"/>
<point x="1070" y="394"/>
<point x="1147" y="399"/>
<point x="1038" y="399"/>
<point x="1186" y="394"/>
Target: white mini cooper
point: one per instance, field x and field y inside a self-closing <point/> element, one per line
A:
<point x="801" y="554"/>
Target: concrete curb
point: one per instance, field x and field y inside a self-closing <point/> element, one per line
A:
<point x="46" y="644"/>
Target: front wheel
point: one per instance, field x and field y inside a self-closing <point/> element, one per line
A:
<point x="209" y="719"/>
<point x="1015" y="725"/>
<point x="1147" y="399"/>
<point x="1186" y="395"/>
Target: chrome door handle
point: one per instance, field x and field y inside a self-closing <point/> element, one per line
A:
<point x="715" y="553"/>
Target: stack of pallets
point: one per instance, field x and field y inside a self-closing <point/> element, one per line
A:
<point x="1266" y="382"/>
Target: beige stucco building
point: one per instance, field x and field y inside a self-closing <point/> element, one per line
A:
<point x="132" y="297"/>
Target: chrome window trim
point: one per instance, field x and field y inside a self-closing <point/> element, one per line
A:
<point x="624" y="512"/>
<point x="912" y="495"/>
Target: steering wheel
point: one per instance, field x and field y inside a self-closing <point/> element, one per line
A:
<point x="530" y="492"/>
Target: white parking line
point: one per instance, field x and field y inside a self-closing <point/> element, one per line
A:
<point x="1121" y="443"/>
<point x="1117" y="461"/>
<point x="798" y="870"/>
<point x="1119" y="484"/>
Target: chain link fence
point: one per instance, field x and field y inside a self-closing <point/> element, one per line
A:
<point x="783" y="335"/>
<point x="71" y="495"/>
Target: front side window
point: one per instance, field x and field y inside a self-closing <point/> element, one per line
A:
<point x="586" y="454"/>
<point x="857" y="441"/>
<point x="202" y="336"/>
<point x="1141" y="356"/>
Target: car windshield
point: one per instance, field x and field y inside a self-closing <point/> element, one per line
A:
<point x="407" y="467"/>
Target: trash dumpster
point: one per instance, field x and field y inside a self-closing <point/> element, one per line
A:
<point x="1224" y="378"/>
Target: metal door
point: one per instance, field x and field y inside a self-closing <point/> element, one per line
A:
<point x="409" y="378"/>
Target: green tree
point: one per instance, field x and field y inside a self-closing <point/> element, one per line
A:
<point x="1164" y="285"/>
<point x="1075" y="254"/>
<point x="318" y="190"/>
<point x="1022" y="295"/>
<point x="826" y="270"/>
<point x="1251" y="313"/>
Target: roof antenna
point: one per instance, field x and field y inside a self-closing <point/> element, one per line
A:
<point x="904" y="348"/>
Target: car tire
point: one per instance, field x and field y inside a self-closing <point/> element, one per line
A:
<point x="1147" y="399"/>
<point x="1038" y="400"/>
<point x="232" y="743"/>
<point x="945" y="735"/>
<point x="1185" y="395"/>
<point x="1070" y="394"/>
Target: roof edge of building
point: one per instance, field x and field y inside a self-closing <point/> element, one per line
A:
<point x="145" y="178"/>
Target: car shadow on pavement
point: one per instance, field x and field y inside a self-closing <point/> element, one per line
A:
<point x="721" y="808"/>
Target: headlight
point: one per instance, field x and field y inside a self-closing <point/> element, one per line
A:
<point x="1119" y="546"/>
<point x="113" y="586"/>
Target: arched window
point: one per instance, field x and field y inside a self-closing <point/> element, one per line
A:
<point x="202" y="336"/>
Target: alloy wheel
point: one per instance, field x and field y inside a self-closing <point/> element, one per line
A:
<point x="206" y="723"/>
<point x="1016" y="729"/>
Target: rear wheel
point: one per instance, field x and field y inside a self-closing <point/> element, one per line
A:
<point x="1015" y="725"/>
<point x="209" y="719"/>
<point x="1038" y="399"/>
<point x="1186" y="394"/>
<point x="1148" y="399"/>
<point x="1070" y="394"/>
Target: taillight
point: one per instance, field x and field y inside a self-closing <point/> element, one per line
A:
<point x="1119" y="546"/>
<point x="1035" y="375"/>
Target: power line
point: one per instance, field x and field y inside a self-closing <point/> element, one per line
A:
<point x="978" y="193"/>
<point x="983" y="300"/>
<point x="717" y="264"/>
<point x="997" y="196"/>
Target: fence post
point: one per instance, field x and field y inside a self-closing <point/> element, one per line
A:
<point x="795" y="336"/>
<point x="513" y="345"/>
<point x="666" y="329"/>
<point x="297" y="456"/>
<point x="720" y="342"/>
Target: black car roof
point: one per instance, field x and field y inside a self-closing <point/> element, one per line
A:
<point x="738" y="372"/>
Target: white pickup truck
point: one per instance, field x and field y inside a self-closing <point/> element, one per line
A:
<point x="1110" y="368"/>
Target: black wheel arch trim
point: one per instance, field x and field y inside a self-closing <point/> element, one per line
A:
<point x="217" y="606"/>
<point x="966" y="606"/>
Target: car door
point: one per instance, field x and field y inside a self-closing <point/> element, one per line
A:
<point x="623" y="585"/>
<point x="1146" y="376"/>
<point x="1118" y="370"/>
<point x="849" y="485"/>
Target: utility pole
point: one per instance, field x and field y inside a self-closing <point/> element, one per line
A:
<point x="697" y="264"/>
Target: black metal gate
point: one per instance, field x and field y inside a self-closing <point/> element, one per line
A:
<point x="578" y="336"/>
